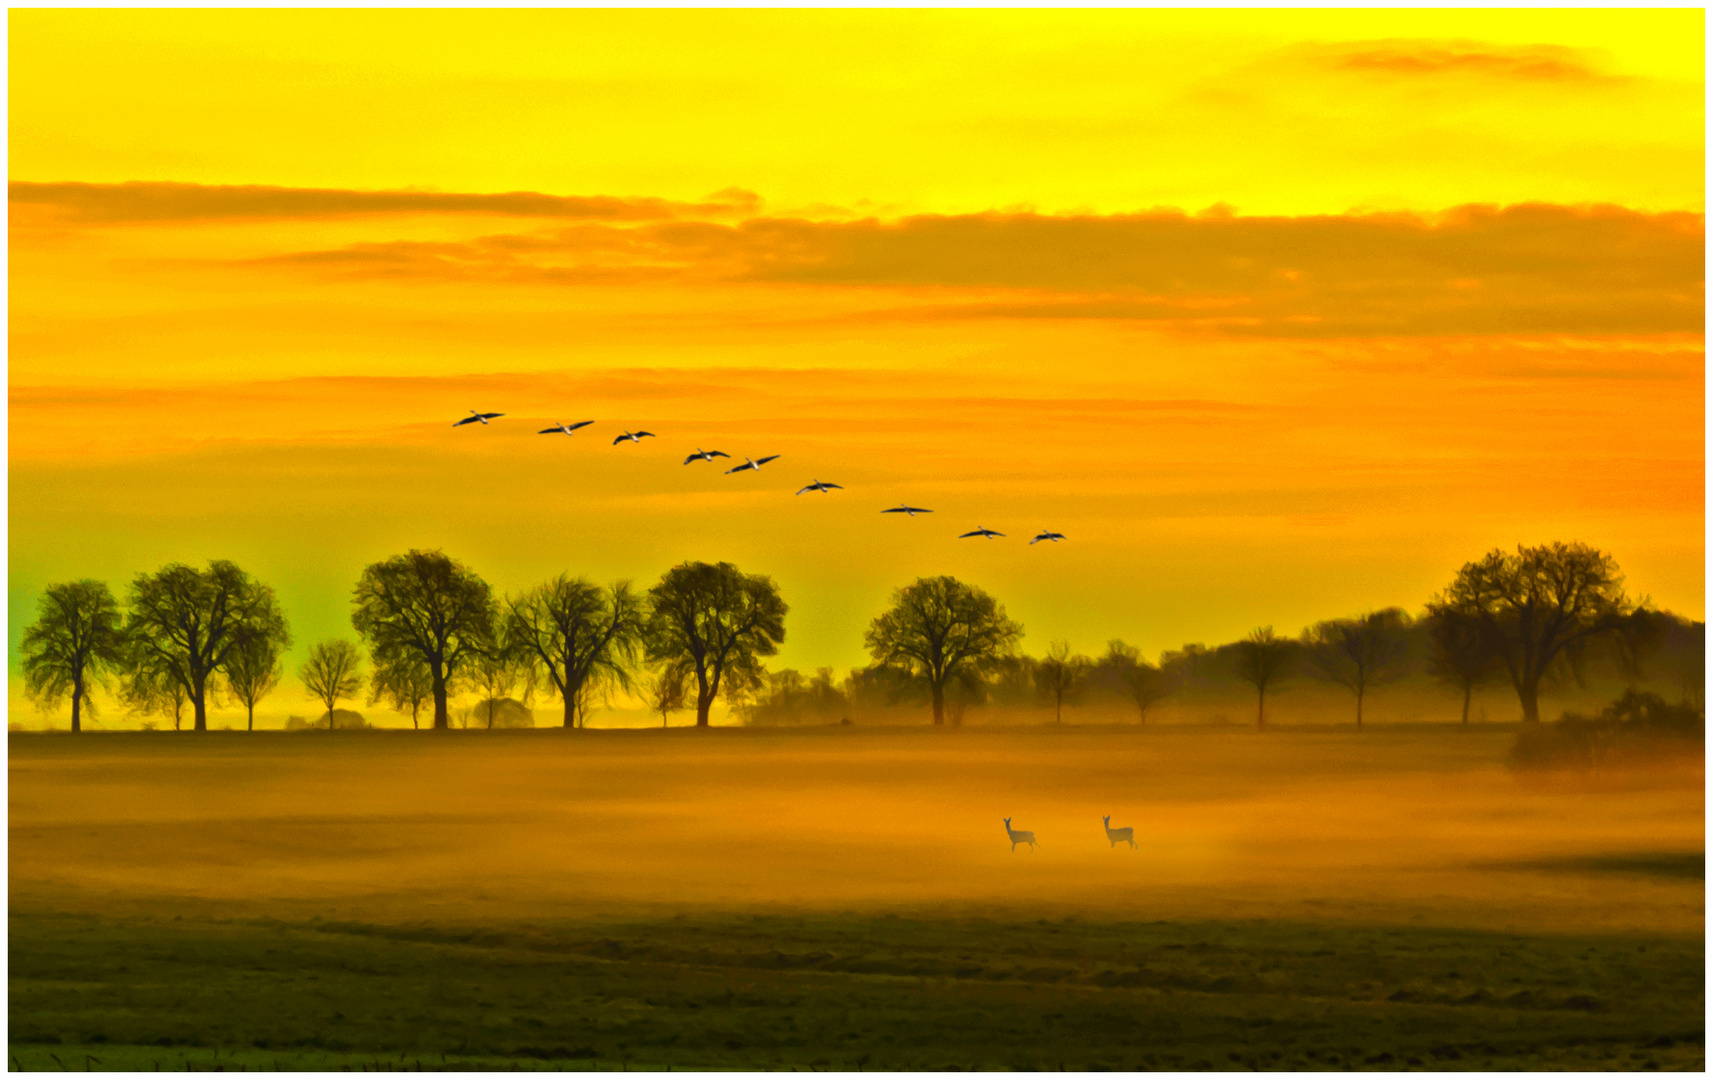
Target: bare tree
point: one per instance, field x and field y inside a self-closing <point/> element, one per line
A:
<point x="1539" y="607"/>
<point x="1262" y="659"/>
<point x="940" y="629"/>
<point x="1460" y="654"/>
<point x="330" y="674"/>
<point x="154" y="690"/>
<point x="185" y="623"/>
<point x="571" y="632"/>
<point x="1145" y="683"/>
<point x="252" y="672"/>
<point x="719" y="622"/>
<point x="494" y="673"/>
<point x="1361" y="653"/>
<point x="402" y="684"/>
<point x="75" y="639"/>
<point x="423" y="607"/>
<point x="1060" y="675"/>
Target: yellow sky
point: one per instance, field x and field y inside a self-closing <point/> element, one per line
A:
<point x="964" y="259"/>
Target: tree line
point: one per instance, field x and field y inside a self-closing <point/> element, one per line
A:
<point x="432" y="627"/>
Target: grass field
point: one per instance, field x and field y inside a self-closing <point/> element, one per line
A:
<point x="845" y="898"/>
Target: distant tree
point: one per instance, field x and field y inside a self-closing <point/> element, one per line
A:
<point x="154" y="690"/>
<point x="1060" y="675"/>
<point x="186" y="623"/>
<point x="423" y="607"/>
<point x="940" y="629"/>
<point x="252" y="672"/>
<point x="1460" y="654"/>
<point x="569" y="632"/>
<point x="403" y="684"/>
<point x="495" y="672"/>
<point x="1361" y="653"/>
<point x="664" y="689"/>
<point x="76" y="638"/>
<point x="1540" y="607"/>
<point x="1143" y="682"/>
<point x="1262" y="659"/>
<point x="719" y="622"/>
<point x="331" y="674"/>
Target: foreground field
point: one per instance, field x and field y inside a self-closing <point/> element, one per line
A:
<point x="846" y="899"/>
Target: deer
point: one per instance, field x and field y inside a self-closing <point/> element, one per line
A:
<point x="1019" y="836"/>
<point x="1126" y="834"/>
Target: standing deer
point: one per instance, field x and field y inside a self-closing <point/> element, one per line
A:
<point x="1019" y="836"/>
<point x="1126" y="834"/>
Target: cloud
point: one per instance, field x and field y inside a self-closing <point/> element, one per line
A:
<point x="159" y="202"/>
<point x="1475" y="269"/>
<point x="1429" y="58"/>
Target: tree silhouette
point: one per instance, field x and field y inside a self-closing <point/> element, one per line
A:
<point x="330" y="674"/>
<point x="1361" y="653"/>
<point x="186" y="623"/>
<point x="1060" y="675"/>
<point x="403" y="684"/>
<point x="76" y="638"/>
<point x="1460" y="654"/>
<point x="423" y="607"/>
<point x="665" y="689"/>
<point x="571" y="632"/>
<point x="494" y="673"/>
<point x="1145" y="683"/>
<point x="1261" y="660"/>
<point x="154" y="690"/>
<point x="1539" y="607"/>
<point x="252" y="672"/>
<point x="719" y="622"/>
<point x="939" y="628"/>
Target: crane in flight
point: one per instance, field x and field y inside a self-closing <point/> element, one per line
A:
<point x="820" y="486"/>
<point x="563" y="426"/>
<point x="474" y="416"/>
<point x="989" y="533"/>
<point x="903" y="509"/>
<point x="633" y="436"/>
<point x="748" y="464"/>
<point x="705" y="455"/>
<point x="1045" y="535"/>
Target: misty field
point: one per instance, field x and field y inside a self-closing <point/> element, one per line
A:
<point x="846" y="898"/>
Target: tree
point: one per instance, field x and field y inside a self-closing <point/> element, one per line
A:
<point x="423" y="607"/>
<point x="330" y="674"/>
<point x="1539" y="607"/>
<point x="1145" y="683"/>
<point x="938" y="629"/>
<point x="252" y="671"/>
<point x="494" y="673"/>
<point x="1359" y="653"/>
<point x="1460" y="654"/>
<point x="1060" y="675"/>
<point x="1261" y="660"/>
<point x="403" y="684"/>
<point x="665" y="689"/>
<point x="186" y="623"/>
<point x="719" y="622"/>
<point x="154" y="690"/>
<point x="571" y="632"/>
<point x="76" y="638"/>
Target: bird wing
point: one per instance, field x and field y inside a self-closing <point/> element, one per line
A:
<point x="621" y="439"/>
<point x="739" y="468"/>
<point x="640" y="434"/>
<point x="718" y="453"/>
<point x="841" y="487"/>
<point x="491" y="415"/>
<point x="466" y="420"/>
<point x="578" y="424"/>
<point x="550" y="431"/>
<point x="811" y="487"/>
<point x="894" y="510"/>
<point x="695" y="457"/>
<point x="966" y="536"/>
<point x="768" y="458"/>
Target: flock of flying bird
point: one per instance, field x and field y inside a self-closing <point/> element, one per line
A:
<point x="748" y="466"/>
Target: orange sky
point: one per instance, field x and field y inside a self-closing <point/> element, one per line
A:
<point x="1448" y="296"/>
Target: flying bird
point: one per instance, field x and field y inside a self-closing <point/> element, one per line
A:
<point x="474" y="416"/>
<point x="748" y="464"/>
<point x="911" y="510"/>
<point x="563" y="426"/>
<point x="705" y="455"/>
<point x="633" y="436"/>
<point x="989" y="533"/>
<point x="820" y="486"/>
<point x="1053" y="536"/>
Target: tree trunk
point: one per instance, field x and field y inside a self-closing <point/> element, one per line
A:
<point x="570" y="709"/>
<point x="1468" y="689"/>
<point x="414" y="723"/>
<point x="1260" y="708"/>
<point x="76" y="707"/>
<point x="939" y="704"/>
<point x="490" y="712"/>
<point x="1529" y="692"/>
<point x="250" y="710"/>
<point x="1359" y="708"/>
<point x="329" y="716"/>
<point x="199" y="703"/>
<point x="704" y="702"/>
